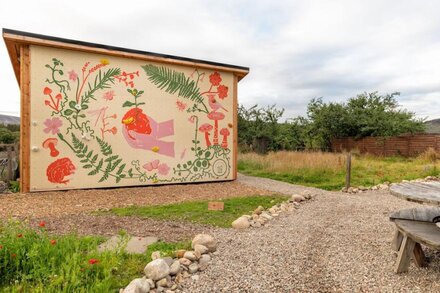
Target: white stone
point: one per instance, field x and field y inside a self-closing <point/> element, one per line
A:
<point x="185" y="261"/>
<point x="207" y="240"/>
<point x="157" y="269"/>
<point x="139" y="285"/>
<point x="193" y="268"/>
<point x="298" y="198"/>
<point x="175" y="268"/>
<point x="266" y="216"/>
<point x="202" y="249"/>
<point x="241" y="223"/>
<point x="190" y="255"/>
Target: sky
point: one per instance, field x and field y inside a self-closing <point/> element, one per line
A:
<point x="296" y="50"/>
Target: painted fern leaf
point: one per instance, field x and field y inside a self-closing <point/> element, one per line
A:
<point x="173" y="82"/>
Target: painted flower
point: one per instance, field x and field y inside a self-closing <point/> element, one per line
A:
<point x="104" y="61"/>
<point x="215" y="79"/>
<point x="52" y="125"/>
<point x="73" y="75"/>
<point x="222" y="91"/>
<point x="53" y="242"/>
<point x="93" y="261"/>
<point x="150" y="166"/>
<point x="47" y="91"/>
<point x="163" y="169"/>
<point x="42" y="224"/>
<point x="192" y="119"/>
<point x="108" y="95"/>
<point x="180" y="105"/>
<point x="78" y="107"/>
<point x="113" y="130"/>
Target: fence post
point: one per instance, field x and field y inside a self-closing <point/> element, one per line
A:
<point x="348" y="171"/>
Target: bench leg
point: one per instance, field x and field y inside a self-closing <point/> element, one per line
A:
<point x="404" y="256"/>
<point x="397" y="240"/>
<point x="418" y="255"/>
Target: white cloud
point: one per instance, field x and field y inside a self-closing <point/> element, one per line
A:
<point x="297" y="50"/>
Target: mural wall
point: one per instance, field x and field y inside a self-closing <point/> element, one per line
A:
<point x="99" y="121"/>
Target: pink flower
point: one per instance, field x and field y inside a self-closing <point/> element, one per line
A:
<point x="192" y="119"/>
<point x="108" y="95"/>
<point x="52" y="125"/>
<point x="163" y="169"/>
<point x="151" y="165"/>
<point x="73" y="75"/>
<point x="215" y="79"/>
<point x="180" y="105"/>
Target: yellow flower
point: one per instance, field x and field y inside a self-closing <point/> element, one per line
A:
<point x="104" y="61"/>
<point x="155" y="149"/>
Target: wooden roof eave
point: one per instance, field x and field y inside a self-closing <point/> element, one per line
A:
<point x="15" y="41"/>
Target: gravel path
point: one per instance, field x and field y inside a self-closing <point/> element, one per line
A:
<point x="335" y="243"/>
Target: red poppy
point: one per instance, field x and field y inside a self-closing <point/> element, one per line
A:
<point x="13" y="255"/>
<point x="215" y="79"/>
<point x="47" y="91"/>
<point x="1" y="247"/>
<point x="222" y="91"/>
<point x="93" y="261"/>
<point x="42" y="224"/>
<point x="19" y="235"/>
<point x="53" y="242"/>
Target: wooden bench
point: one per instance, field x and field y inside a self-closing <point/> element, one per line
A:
<point x="415" y="227"/>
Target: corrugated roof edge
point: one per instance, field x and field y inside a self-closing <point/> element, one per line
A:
<point x="101" y="46"/>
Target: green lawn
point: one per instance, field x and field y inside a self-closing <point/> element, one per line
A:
<point x="366" y="170"/>
<point x="197" y="211"/>
<point x="34" y="261"/>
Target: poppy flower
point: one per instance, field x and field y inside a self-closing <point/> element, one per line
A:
<point x="93" y="261"/>
<point x="53" y="242"/>
<point x="42" y="224"/>
<point x="19" y="235"/>
<point x="47" y="91"/>
<point x="215" y="79"/>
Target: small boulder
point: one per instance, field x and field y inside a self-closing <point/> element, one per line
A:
<point x="193" y="268"/>
<point x="206" y="240"/>
<point x="184" y="261"/>
<point x="164" y="282"/>
<point x="155" y="255"/>
<point x="180" y="253"/>
<point x="175" y="268"/>
<point x="241" y="223"/>
<point x="139" y="285"/>
<point x="266" y="216"/>
<point x="204" y="262"/>
<point x="200" y="249"/>
<point x="157" y="269"/>
<point x="190" y="255"/>
<point x="298" y="198"/>
<point x="169" y="260"/>
<point x="258" y="210"/>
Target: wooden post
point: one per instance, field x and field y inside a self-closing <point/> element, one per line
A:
<point x="235" y="129"/>
<point x="25" y="122"/>
<point x="348" y="170"/>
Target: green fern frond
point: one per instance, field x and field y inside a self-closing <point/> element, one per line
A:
<point x="173" y="81"/>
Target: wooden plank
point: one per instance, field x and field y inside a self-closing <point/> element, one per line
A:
<point x="25" y="110"/>
<point x="428" y="192"/>
<point x="424" y="233"/>
<point x="397" y="240"/>
<point x="13" y="55"/>
<point x="235" y="127"/>
<point x="24" y="40"/>
<point x="424" y="214"/>
<point x="404" y="256"/>
<point x="418" y="255"/>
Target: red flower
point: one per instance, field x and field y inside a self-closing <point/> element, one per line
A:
<point x="1" y="247"/>
<point x="13" y="255"/>
<point x="19" y="235"/>
<point x="114" y="130"/>
<point x="215" y="79"/>
<point x="180" y="105"/>
<point x="47" y="91"/>
<point x="53" y="242"/>
<point x="222" y="91"/>
<point x="93" y="261"/>
<point x="42" y="224"/>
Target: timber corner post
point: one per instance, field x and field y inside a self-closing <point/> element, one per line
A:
<point x="25" y="105"/>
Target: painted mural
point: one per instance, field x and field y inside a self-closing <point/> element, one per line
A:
<point x="102" y="121"/>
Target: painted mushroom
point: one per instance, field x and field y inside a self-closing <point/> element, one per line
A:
<point x="206" y="128"/>
<point x="50" y="144"/>
<point x="216" y="116"/>
<point x="225" y="133"/>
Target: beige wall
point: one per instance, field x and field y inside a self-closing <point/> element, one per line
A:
<point x="150" y="142"/>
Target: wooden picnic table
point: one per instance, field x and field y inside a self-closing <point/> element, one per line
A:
<point x="416" y="226"/>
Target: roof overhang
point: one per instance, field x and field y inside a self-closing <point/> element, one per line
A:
<point x="15" y="39"/>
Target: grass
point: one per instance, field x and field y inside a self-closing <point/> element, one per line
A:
<point x="327" y="170"/>
<point x="34" y="261"/>
<point x="197" y="211"/>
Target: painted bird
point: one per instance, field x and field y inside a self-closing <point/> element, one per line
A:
<point x="214" y="104"/>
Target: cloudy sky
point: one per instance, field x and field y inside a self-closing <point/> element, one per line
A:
<point x="296" y="50"/>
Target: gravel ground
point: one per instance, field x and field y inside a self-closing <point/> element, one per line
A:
<point x="335" y="243"/>
<point x="64" y="203"/>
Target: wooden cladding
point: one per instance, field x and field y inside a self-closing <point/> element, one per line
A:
<point x="405" y="145"/>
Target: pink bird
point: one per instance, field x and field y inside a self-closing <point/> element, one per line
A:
<point x="214" y="104"/>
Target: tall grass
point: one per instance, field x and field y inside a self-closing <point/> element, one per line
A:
<point x="327" y="170"/>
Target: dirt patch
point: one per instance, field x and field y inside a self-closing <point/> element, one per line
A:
<point x="64" y="203"/>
